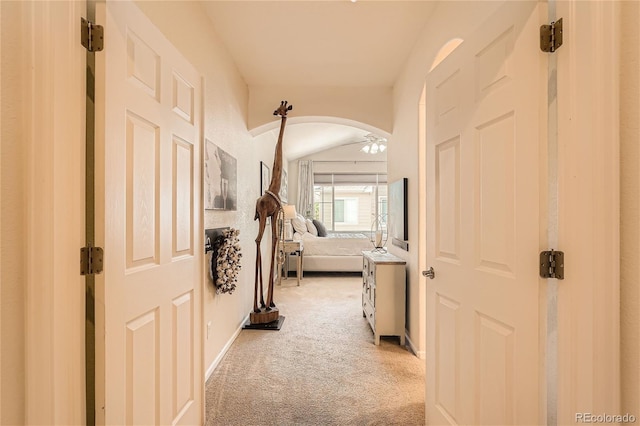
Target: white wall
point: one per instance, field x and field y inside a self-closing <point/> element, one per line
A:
<point x="449" y="20"/>
<point x="226" y="96"/>
<point x="630" y="207"/>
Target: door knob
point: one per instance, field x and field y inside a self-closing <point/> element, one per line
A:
<point x="430" y="273"/>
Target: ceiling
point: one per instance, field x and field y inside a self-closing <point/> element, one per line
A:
<point x="332" y="43"/>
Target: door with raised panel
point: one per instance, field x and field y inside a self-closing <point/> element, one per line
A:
<point x="148" y="199"/>
<point x="484" y="141"/>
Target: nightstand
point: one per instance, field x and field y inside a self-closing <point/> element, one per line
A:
<point x="289" y="248"/>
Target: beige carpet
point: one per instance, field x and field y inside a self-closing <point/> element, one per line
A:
<point x="321" y="368"/>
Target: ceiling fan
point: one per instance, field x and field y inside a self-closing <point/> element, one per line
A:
<point x="373" y="144"/>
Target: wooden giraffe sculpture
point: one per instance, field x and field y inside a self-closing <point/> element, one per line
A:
<point x="269" y="205"/>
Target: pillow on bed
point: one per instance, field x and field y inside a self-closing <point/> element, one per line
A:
<point x="312" y="228"/>
<point x="322" y="230"/>
<point x="299" y="224"/>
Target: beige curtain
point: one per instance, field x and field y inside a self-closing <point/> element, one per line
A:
<point x="305" y="188"/>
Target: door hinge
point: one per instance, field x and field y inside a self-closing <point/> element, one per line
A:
<point x="552" y="264"/>
<point x="551" y="36"/>
<point x="91" y="259"/>
<point x="91" y="35"/>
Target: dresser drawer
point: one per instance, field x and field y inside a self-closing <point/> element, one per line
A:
<point x="365" y="268"/>
<point x="369" y="292"/>
<point x="369" y="313"/>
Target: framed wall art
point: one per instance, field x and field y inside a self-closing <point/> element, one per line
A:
<point x="221" y="179"/>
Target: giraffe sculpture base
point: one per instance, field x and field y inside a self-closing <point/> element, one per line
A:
<point x="275" y="325"/>
<point x="264" y="316"/>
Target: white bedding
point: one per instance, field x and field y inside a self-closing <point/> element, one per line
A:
<point x="334" y="244"/>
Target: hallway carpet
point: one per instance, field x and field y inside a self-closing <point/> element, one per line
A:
<point x="321" y="368"/>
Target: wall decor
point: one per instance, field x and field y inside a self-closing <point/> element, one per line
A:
<point x="224" y="245"/>
<point x="221" y="179"/>
<point x="398" y="214"/>
<point x="284" y="186"/>
<point x="265" y="177"/>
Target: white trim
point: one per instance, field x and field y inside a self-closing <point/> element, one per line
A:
<point x="39" y="380"/>
<point x="416" y="352"/>
<point x="589" y="199"/>
<point x="549" y="310"/>
<point x="224" y="350"/>
<point x="54" y="122"/>
<point x="1" y="217"/>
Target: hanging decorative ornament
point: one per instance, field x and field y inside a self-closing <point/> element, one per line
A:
<point x="379" y="233"/>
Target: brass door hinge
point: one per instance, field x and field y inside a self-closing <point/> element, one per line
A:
<point x="91" y="35"/>
<point x="552" y="264"/>
<point x="551" y="36"/>
<point x="91" y="260"/>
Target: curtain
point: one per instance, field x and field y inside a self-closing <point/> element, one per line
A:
<point x="305" y="188"/>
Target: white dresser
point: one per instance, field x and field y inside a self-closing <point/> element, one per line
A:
<point x="383" y="294"/>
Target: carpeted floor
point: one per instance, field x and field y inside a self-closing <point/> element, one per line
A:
<point x="321" y="368"/>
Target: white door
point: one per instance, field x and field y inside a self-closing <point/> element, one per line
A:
<point x="484" y="141"/>
<point x="148" y="203"/>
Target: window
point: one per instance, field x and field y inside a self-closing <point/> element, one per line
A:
<point x="338" y="208"/>
<point x="382" y="205"/>
<point x="346" y="211"/>
<point x="349" y="202"/>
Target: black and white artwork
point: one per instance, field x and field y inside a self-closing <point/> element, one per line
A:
<point x="284" y="186"/>
<point x="221" y="179"/>
<point x="265" y="177"/>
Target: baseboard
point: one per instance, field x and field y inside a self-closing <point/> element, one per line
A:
<point x="224" y="350"/>
<point x="419" y="354"/>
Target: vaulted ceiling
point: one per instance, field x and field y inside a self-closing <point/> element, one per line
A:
<point x="322" y="43"/>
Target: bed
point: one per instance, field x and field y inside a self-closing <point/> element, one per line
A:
<point x="335" y="252"/>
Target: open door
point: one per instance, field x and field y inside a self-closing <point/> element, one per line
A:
<point x="148" y="200"/>
<point x="484" y="140"/>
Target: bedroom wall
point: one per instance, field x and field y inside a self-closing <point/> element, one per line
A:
<point x="226" y="95"/>
<point x="449" y="20"/>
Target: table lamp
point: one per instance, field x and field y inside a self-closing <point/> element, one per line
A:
<point x="289" y="213"/>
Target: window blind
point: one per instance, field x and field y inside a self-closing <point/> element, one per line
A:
<point x="349" y="178"/>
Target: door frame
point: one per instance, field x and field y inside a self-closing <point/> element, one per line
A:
<point x="588" y="374"/>
<point x="53" y="125"/>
